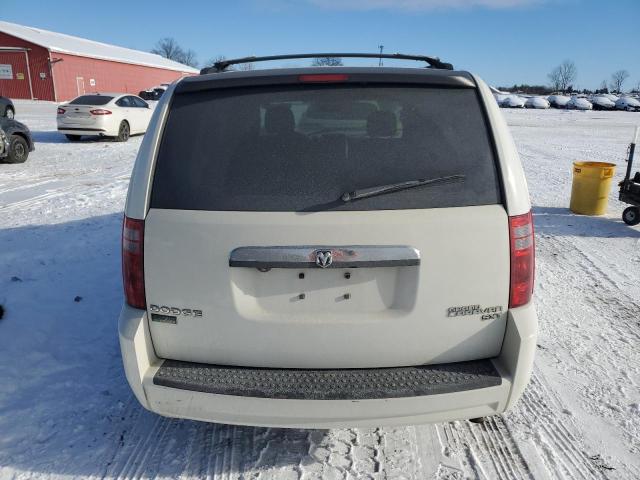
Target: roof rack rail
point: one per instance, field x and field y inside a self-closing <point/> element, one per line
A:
<point x="222" y="65"/>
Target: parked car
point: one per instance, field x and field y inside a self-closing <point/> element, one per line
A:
<point x="15" y="141"/>
<point x="579" y="103"/>
<point x="7" y="109"/>
<point x="512" y="101"/>
<point x="114" y="115"/>
<point x="499" y="95"/>
<point x="558" y="101"/>
<point x="367" y="273"/>
<point x="537" y="102"/>
<point x="601" y="102"/>
<point x="153" y="93"/>
<point x="629" y="104"/>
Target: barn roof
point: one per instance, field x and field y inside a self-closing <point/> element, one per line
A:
<point x="61" y="43"/>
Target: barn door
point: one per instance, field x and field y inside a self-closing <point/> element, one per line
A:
<point x="80" y="84"/>
<point x="14" y="76"/>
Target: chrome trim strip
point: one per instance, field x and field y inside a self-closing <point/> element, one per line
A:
<point x="347" y="256"/>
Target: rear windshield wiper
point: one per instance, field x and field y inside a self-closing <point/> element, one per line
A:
<point x="396" y="187"/>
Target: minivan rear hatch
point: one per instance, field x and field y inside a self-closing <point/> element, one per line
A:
<point x="260" y="249"/>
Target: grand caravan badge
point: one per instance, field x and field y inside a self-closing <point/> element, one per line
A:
<point x="488" y="313"/>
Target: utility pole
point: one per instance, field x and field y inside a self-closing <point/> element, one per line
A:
<point x="380" y="62"/>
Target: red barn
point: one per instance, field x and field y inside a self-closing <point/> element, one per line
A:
<point x="43" y="65"/>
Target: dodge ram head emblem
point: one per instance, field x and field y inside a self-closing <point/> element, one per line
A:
<point x="324" y="258"/>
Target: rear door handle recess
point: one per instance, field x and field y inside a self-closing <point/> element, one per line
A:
<point x="314" y="256"/>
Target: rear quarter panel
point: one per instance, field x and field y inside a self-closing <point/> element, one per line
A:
<point x="142" y="174"/>
<point x="514" y="183"/>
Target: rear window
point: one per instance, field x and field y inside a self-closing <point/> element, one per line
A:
<point x="299" y="148"/>
<point x="91" y="100"/>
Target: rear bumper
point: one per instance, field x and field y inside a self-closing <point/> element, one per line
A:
<point x="513" y="366"/>
<point x="99" y="125"/>
<point x="82" y="131"/>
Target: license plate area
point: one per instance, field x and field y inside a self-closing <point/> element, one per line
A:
<point x="330" y="295"/>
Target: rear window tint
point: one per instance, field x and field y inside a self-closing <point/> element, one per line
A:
<point x="91" y="100"/>
<point x="299" y="148"/>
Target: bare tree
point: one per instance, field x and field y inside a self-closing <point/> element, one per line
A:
<point x="246" y="66"/>
<point x="603" y="87"/>
<point x="563" y="75"/>
<point x="554" y="79"/>
<point x="189" y="58"/>
<point x="216" y="59"/>
<point x="169" y="48"/>
<point x="617" y="80"/>
<point x="327" y="62"/>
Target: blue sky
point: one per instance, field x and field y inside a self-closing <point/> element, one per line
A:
<point x="505" y="41"/>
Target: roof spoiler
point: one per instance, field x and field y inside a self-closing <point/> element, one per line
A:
<point x="222" y="65"/>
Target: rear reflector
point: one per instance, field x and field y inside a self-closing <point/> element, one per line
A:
<point x="61" y="111"/>
<point x="133" y="262"/>
<point x="323" y="78"/>
<point x="522" y="259"/>
<point x="100" y="111"/>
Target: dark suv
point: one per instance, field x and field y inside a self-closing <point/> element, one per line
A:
<point x="7" y="109"/>
<point x="15" y="141"/>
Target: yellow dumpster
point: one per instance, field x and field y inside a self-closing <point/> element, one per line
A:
<point x="591" y="185"/>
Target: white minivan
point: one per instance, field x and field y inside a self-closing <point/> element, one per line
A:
<point x="328" y="247"/>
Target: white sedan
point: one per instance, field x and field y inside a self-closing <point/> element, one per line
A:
<point x="602" y="102"/>
<point x="115" y="115"/>
<point x="558" y="101"/>
<point x="512" y="101"/>
<point x="629" y="104"/>
<point x="536" y="102"/>
<point x="579" y="103"/>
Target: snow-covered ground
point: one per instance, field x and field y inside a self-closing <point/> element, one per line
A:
<point x="66" y="410"/>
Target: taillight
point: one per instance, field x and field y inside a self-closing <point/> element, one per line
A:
<point x="323" y="78"/>
<point x="522" y="259"/>
<point x="100" y="111"/>
<point x="133" y="262"/>
<point x="61" y="111"/>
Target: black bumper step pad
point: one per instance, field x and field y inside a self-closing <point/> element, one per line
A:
<point x="339" y="384"/>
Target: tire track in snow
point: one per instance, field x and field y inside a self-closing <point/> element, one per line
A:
<point x="600" y="334"/>
<point x="489" y="450"/>
<point x="128" y="458"/>
<point x="562" y="452"/>
<point x="484" y="450"/>
<point x="225" y="452"/>
<point x="82" y="186"/>
<point x="37" y="198"/>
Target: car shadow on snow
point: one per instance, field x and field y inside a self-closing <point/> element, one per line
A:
<point x="48" y="136"/>
<point x="53" y="136"/>
<point x="65" y="406"/>
<point x="556" y="221"/>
